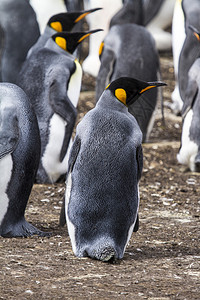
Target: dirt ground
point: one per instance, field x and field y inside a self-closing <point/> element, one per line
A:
<point x="161" y="261"/>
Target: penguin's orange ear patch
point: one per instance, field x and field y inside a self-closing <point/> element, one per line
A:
<point x="56" y="26"/>
<point x="61" y="42"/>
<point x="101" y="48"/>
<point x="120" y="94"/>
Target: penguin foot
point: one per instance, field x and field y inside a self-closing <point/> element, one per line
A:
<point x="22" y="229"/>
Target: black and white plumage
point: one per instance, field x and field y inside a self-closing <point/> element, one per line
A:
<point x="129" y="50"/>
<point x="19" y="159"/>
<point x="59" y="23"/>
<point x="131" y="12"/>
<point x="105" y="165"/>
<point x="185" y="48"/>
<point x="190" y="50"/>
<point x="189" y="153"/>
<point x="51" y="77"/>
<point x="157" y="18"/>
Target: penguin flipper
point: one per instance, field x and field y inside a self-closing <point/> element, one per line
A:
<point x="2" y="45"/>
<point x="62" y="220"/>
<point x="136" y="227"/>
<point x="62" y="105"/>
<point x="74" y="153"/>
<point x="72" y="159"/>
<point x="9" y="132"/>
<point x="105" y="72"/>
<point x="150" y="10"/>
<point x="191" y="92"/>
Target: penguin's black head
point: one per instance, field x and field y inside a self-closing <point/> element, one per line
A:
<point x="195" y="32"/>
<point x="70" y="40"/>
<point x="66" y="21"/>
<point x="127" y="90"/>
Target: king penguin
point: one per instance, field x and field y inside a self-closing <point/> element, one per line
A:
<point x="131" y="12"/>
<point x="51" y="78"/>
<point x="190" y="50"/>
<point x="100" y="20"/>
<point x="19" y="159"/>
<point x="58" y="23"/>
<point x="105" y="166"/>
<point x="19" y="32"/>
<point x="178" y="38"/>
<point x="185" y="48"/>
<point x="158" y="16"/>
<point x="129" y="50"/>
<point x="189" y="153"/>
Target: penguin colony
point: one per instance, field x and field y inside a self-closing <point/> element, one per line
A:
<point x="39" y="92"/>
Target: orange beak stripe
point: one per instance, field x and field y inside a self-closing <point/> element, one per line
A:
<point x="83" y="37"/>
<point x="147" y="88"/>
<point x="81" y="17"/>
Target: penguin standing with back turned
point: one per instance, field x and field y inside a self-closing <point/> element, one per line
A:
<point x="105" y="166"/>
<point x="51" y="77"/>
<point x="19" y="159"/>
<point x="129" y="50"/>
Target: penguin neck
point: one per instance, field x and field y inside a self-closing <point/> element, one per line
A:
<point x="50" y="44"/>
<point x="48" y="32"/>
<point x="108" y="101"/>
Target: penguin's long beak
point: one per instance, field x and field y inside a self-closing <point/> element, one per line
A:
<point x="195" y="32"/>
<point x="86" y="34"/>
<point x="152" y="85"/>
<point x="85" y="13"/>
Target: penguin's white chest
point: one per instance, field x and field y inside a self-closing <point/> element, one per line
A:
<point x="70" y="226"/>
<point x="74" y="86"/>
<point x="189" y="149"/>
<point x="6" y="166"/>
<point x="51" y="157"/>
<point x="178" y="33"/>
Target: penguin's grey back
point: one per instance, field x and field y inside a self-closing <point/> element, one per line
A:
<point x="133" y="43"/>
<point x="106" y="173"/>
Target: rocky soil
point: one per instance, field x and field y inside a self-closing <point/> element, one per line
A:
<point x="161" y="261"/>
